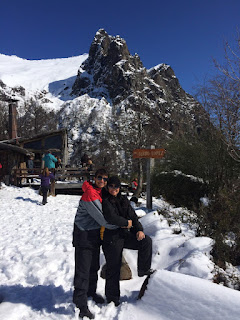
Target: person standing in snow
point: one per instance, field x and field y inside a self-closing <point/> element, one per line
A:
<point x="49" y="162"/>
<point x="45" y="177"/>
<point x="117" y="210"/>
<point x="86" y="240"/>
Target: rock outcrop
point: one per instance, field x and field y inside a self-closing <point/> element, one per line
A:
<point x="115" y="105"/>
<point x="146" y="105"/>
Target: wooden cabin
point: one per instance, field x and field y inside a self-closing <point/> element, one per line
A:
<point x="56" y="141"/>
<point x="14" y="153"/>
<point x="11" y="157"/>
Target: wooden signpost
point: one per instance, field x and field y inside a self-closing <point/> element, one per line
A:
<point x="149" y="154"/>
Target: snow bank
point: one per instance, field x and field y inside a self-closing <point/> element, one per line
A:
<point x="37" y="266"/>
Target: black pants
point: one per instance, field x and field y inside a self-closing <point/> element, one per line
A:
<point x="113" y="255"/>
<point x="44" y="191"/>
<point x="86" y="265"/>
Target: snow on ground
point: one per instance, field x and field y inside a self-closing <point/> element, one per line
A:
<point x="37" y="266"/>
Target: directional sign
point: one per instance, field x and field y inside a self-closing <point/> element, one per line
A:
<point x="149" y="153"/>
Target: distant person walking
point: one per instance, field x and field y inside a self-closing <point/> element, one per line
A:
<point x="45" y="177"/>
<point x="49" y="162"/>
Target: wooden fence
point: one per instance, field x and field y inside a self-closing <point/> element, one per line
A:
<point x="20" y="176"/>
<point x="65" y="175"/>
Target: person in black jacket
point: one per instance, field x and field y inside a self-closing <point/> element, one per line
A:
<point x="117" y="210"/>
<point x="86" y="240"/>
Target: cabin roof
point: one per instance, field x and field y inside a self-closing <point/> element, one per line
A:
<point x="6" y="146"/>
<point x="42" y="135"/>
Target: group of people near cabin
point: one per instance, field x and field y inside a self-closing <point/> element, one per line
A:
<point x="47" y="176"/>
<point x="105" y="217"/>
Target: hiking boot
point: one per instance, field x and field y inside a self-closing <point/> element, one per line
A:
<point x="85" y="312"/>
<point x="98" y="298"/>
<point x="115" y="301"/>
<point x="145" y="273"/>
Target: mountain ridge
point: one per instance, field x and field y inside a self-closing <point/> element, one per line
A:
<point x="114" y="104"/>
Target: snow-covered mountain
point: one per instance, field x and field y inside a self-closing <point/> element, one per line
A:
<point x="107" y="99"/>
<point x="39" y="79"/>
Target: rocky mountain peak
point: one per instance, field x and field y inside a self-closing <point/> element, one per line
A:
<point x="151" y="101"/>
<point x="109" y="68"/>
<point x="112" y="72"/>
<point x="103" y="45"/>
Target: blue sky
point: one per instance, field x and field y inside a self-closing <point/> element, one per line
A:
<point x="186" y="34"/>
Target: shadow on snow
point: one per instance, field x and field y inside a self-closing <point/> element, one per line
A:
<point x="48" y="298"/>
<point x="27" y="199"/>
<point x="58" y="88"/>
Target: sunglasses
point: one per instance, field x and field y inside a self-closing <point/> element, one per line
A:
<point x="113" y="187"/>
<point x="101" y="178"/>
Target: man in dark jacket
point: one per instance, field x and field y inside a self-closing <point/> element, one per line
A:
<point x="86" y="240"/>
<point x="117" y="210"/>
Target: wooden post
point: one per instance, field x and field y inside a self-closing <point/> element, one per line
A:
<point x="150" y="164"/>
<point x="12" y="121"/>
<point x="149" y="196"/>
<point x="150" y="155"/>
<point x="52" y="188"/>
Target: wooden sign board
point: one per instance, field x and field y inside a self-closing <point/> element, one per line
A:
<point x="149" y="153"/>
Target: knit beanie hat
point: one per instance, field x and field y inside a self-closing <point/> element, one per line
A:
<point x="114" y="180"/>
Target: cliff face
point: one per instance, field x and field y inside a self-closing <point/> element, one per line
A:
<point x="113" y="73"/>
<point x="110" y="70"/>
<point x="111" y="105"/>
<point x="120" y="105"/>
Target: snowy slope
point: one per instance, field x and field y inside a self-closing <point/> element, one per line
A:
<point x="47" y="81"/>
<point x="37" y="266"/>
<point x="37" y="74"/>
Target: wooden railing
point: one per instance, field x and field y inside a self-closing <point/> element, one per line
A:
<point x="69" y="173"/>
<point x="60" y="174"/>
<point x="19" y="174"/>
